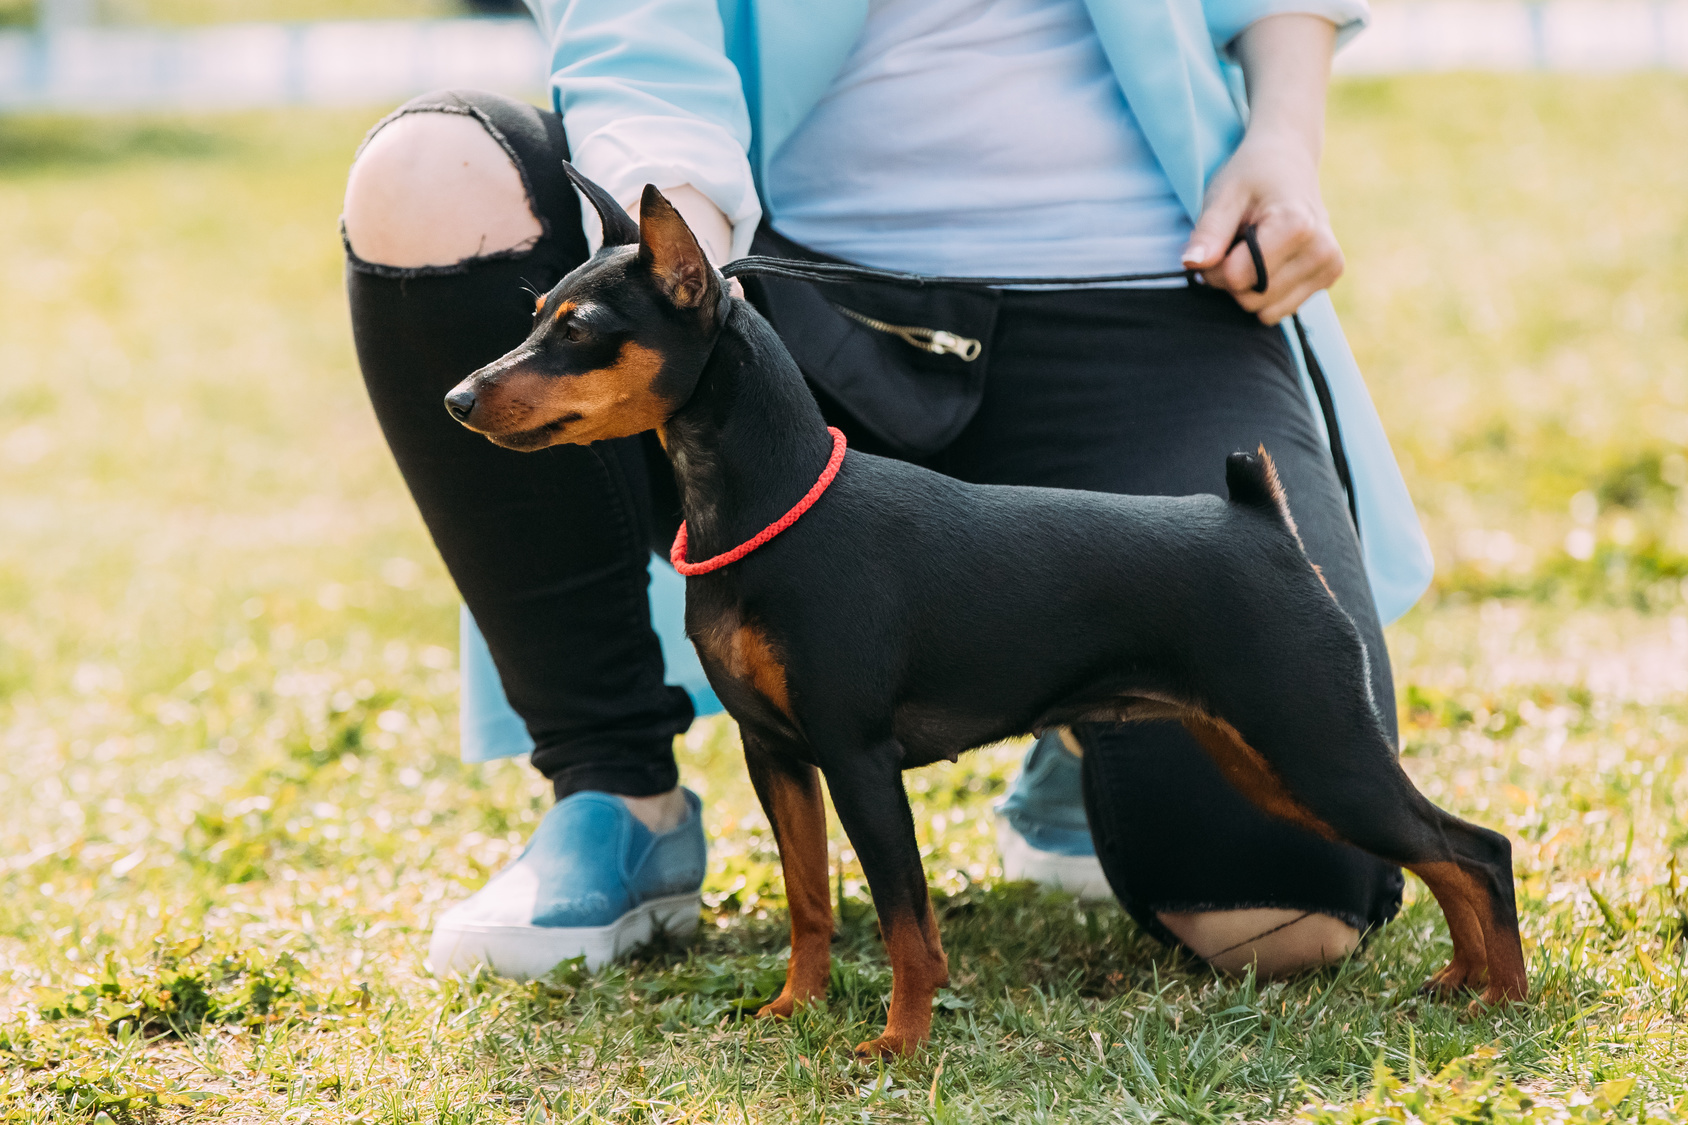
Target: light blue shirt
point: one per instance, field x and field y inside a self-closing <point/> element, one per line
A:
<point x="672" y="92"/>
<point x="977" y="137"/>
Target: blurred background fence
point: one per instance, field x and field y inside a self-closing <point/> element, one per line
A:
<point x="73" y="55"/>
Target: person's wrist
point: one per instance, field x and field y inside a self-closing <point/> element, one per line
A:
<point x="1283" y="140"/>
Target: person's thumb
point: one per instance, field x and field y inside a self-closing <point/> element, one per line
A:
<point x="1222" y="215"/>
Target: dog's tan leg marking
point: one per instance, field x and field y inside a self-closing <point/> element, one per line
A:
<point x="791" y="795"/>
<point x="755" y="662"/>
<point x="1249" y="773"/>
<point x="1486" y="954"/>
<point x="919" y="967"/>
<point x="748" y="655"/>
<point x="1464" y="906"/>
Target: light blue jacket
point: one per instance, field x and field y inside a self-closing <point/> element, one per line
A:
<point x="705" y="91"/>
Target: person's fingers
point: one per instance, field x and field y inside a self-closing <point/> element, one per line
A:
<point x="1221" y="215"/>
<point x="1302" y="257"/>
<point x="1306" y="276"/>
<point x="1293" y="300"/>
<point x="1281" y="241"/>
<point x="1302" y="277"/>
<point x="1235" y="273"/>
<point x="1296" y="234"/>
<point x="735" y="288"/>
<point x="1283" y="283"/>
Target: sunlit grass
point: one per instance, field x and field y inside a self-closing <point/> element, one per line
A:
<point x="1518" y="297"/>
<point x="230" y="804"/>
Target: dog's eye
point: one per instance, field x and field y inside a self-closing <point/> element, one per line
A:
<point x="574" y="332"/>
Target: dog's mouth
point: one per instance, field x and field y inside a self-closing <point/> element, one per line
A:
<point x="539" y="436"/>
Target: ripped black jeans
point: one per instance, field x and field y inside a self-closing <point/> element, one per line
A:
<point x="1120" y="390"/>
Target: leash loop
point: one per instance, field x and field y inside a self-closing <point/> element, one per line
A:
<point x="1250" y="234"/>
<point x="677" y="553"/>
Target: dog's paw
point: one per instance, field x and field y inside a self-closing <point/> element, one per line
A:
<point x="887" y="1047"/>
<point x="1454" y="979"/>
<point x="788" y="1001"/>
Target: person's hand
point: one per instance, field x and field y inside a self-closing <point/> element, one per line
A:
<point x="1272" y="182"/>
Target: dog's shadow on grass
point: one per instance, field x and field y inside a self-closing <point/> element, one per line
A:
<point x="1004" y="942"/>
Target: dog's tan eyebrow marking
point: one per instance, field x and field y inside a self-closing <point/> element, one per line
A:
<point x="563" y="310"/>
<point x="538" y="303"/>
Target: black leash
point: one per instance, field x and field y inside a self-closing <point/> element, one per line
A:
<point x="842" y="273"/>
<point x="1327" y="407"/>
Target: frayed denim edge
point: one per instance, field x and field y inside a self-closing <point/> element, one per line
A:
<point x="406" y="273"/>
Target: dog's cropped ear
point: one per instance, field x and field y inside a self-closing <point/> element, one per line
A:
<point x="619" y="227"/>
<point x="671" y="251"/>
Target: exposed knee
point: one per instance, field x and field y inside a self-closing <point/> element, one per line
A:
<point x="1276" y="942"/>
<point x="434" y="188"/>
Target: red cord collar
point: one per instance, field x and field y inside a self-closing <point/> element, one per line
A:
<point x="677" y="553"/>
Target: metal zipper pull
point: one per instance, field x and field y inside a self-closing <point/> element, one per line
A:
<point x="933" y="340"/>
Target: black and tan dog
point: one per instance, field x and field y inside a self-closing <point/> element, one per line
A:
<point x="907" y="616"/>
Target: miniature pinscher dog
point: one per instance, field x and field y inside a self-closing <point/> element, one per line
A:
<point x="906" y="616"/>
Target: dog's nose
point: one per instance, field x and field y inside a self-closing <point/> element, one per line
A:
<point x="461" y="403"/>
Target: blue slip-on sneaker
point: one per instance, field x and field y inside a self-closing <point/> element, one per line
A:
<point x="1041" y="830"/>
<point x="592" y="882"/>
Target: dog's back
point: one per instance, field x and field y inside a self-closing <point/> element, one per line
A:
<point x="973" y="613"/>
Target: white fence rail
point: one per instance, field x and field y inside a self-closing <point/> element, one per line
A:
<point x="229" y="66"/>
<point x="1565" y="35"/>
<point x="370" y="62"/>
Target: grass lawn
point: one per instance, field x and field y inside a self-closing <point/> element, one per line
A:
<point x="230" y="803"/>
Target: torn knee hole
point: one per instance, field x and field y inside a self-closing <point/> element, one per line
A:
<point x="433" y="189"/>
<point x="1277" y="942"/>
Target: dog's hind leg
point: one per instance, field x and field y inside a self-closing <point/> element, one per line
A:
<point x="1291" y="720"/>
<point x="1330" y="769"/>
<point x="790" y="792"/>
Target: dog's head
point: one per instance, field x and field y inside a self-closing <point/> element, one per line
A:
<point x="616" y="347"/>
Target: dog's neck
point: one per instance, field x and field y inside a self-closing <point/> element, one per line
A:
<point x="749" y="443"/>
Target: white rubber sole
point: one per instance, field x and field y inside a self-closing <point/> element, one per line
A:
<point x="527" y="952"/>
<point x="1079" y="875"/>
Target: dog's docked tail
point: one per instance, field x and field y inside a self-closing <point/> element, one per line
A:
<point x="1252" y="481"/>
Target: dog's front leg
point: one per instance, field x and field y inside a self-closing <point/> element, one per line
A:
<point x="790" y="792"/>
<point x="867" y="790"/>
